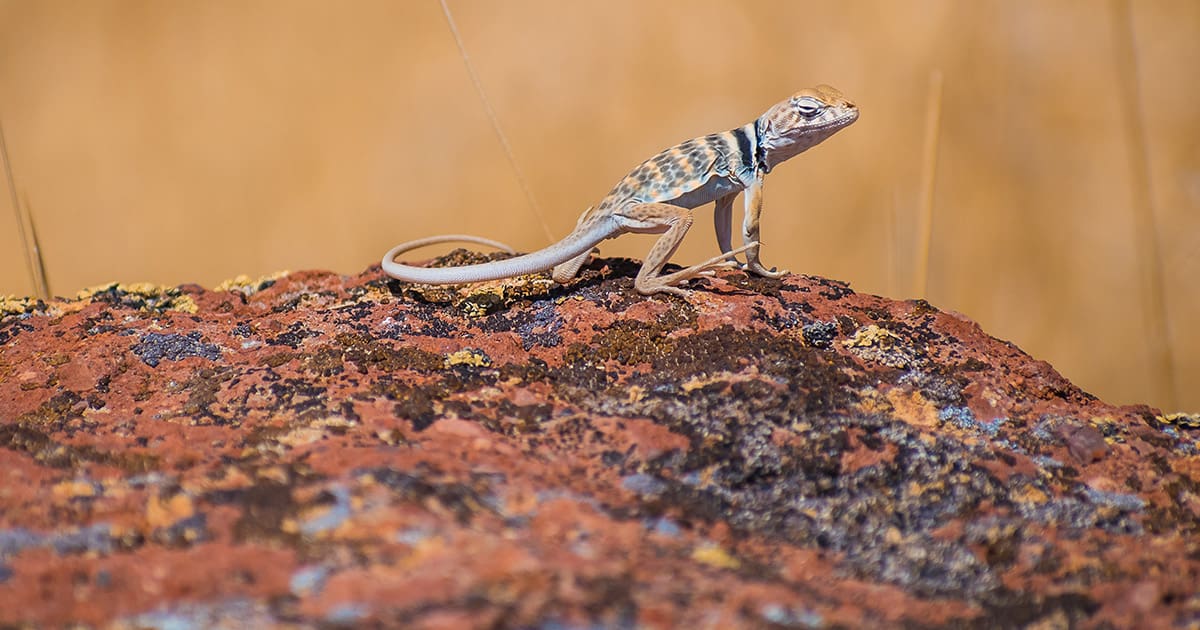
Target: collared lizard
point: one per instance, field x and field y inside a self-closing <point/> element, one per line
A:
<point x="658" y="196"/>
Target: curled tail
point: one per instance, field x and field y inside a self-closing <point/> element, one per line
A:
<point x="582" y="240"/>
<point x="448" y="238"/>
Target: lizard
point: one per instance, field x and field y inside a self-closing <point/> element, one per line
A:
<point x="658" y="197"/>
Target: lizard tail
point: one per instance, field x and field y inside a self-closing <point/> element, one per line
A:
<point x="449" y="238"/>
<point x="582" y="240"/>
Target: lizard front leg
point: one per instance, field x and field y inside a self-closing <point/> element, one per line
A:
<point x="723" y="221"/>
<point x="750" y="230"/>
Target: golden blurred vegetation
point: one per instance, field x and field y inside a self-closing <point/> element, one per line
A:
<point x="1055" y="145"/>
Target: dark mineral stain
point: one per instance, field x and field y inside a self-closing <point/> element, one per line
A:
<point x="264" y="507"/>
<point x="154" y="347"/>
<point x="183" y="533"/>
<point x="203" y="388"/>
<point x="820" y="334"/>
<point x="365" y="353"/>
<point x="42" y="448"/>
<point x="425" y="483"/>
<point x="293" y="337"/>
<point x="413" y="403"/>
<point x="1017" y="610"/>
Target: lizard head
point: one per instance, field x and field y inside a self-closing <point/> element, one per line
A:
<point x="801" y="122"/>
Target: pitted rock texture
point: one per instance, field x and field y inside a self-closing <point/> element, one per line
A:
<point x="319" y="450"/>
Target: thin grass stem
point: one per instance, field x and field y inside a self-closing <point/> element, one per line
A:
<point x="495" y="120"/>
<point x="933" y="123"/>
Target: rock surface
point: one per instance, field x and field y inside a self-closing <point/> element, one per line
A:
<point x="322" y="450"/>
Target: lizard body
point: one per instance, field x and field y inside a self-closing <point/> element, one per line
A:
<point x="658" y="196"/>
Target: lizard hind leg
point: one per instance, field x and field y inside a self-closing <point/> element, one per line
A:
<point x="565" y="272"/>
<point x="726" y="260"/>
<point x="673" y="222"/>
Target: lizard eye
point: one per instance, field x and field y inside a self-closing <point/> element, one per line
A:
<point x="809" y="107"/>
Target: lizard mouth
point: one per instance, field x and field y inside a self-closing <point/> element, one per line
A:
<point x="841" y="121"/>
<point x="829" y="125"/>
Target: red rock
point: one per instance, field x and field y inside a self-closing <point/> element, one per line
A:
<point x="316" y="449"/>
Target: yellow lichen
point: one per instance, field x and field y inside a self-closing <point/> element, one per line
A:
<point x="715" y="556"/>
<point x="163" y="513"/>
<point x="488" y="298"/>
<point x="872" y="343"/>
<point x="468" y="356"/>
<point x="185" y="304"/>
<point x="1030" y="494"/>
<point x="913" y="407"/>
<point x="13" y="305"/>
<point x="1181" y="420"/>
<point x="871" y="336"/>
<point x="1112" y="429"/>
<point x="872" y="401"/>
<point x="244" y="285"/>
<point x="480" y="299"/>
<point x="155" y="297"/>
<point x="73" y="489"/>
<point x="371" y="294"/>
<point x="144" y="289"/>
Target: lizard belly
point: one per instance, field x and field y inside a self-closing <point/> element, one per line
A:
<point x="715" y="187"/>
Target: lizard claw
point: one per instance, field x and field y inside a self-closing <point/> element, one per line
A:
<point x="757" y="268"/>
<point x="676" y="291"/>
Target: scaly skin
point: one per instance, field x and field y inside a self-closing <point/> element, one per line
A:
<point x="658" y="196"/>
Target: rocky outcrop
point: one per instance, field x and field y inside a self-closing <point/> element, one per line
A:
<point x="331" y="450"/>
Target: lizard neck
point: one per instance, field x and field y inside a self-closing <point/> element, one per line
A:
<point x="760" y="152"/>
<point x="750" y="154"/>
<point x="746" y="141"/>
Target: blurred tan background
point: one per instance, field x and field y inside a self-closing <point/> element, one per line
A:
<point x="191" y="141"/>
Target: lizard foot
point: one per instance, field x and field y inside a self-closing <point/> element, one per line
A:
<point x="757" y="268"/>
